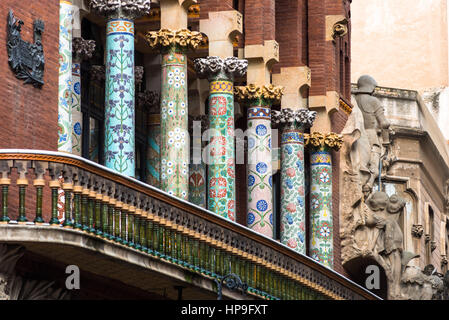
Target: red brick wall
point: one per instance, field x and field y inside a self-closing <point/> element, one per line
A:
<point x="207" y="6"/>
<point x="291" y="33"/>
<point x="259" y="21"/>
<point x="30" y="115"/>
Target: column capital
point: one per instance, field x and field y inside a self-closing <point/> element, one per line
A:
<point x="82" y="49"/>
<point x="111" y="9"/>
<point x="150" y="100"/>
<point x="97" y="73"/>
<point x="183" y="38"/>
<point x="300" y="117"/>
<point x="212" y="67"/>
<point x="319" y="140"/>
<point x="252" y="92"/>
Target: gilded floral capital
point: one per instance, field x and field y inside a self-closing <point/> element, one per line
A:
<point x="131" y="9"/>
<point x="183" y="38"/>
<point x="301" y="117"/>
<point x="212" y="67"/>
<point x="253" y="92"/>
<point x="320" y="140"/>
<point x="82" y="49"/>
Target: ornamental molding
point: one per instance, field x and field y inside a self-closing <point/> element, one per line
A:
<point x="83" y="49"/>
<point x="111" y="9"/>
<point x="149" y="100"/>
<point x="253" y="92"/>
<point x="340" y="29"/>
<point x="287" y="116"/>
<point x="183" y="38"/>
<point x="26" y="59"/>
<point x="320" y="140"/>
<point x="212" y="67"/>
<point x="417" y="230"/>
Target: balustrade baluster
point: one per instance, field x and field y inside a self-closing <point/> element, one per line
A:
<point x="98" y="212"/>
<point x="5" y="182"/>
<point x="131" y="226"/>
<point x="150" y="234"/>
<point x="22" y="183"/>
<point x="77" y="191"/>
<point x="39" y="184"/>
<point x="91" y="210"/>
<point x="85" y="209"/>
<point x="124" y="224"/>
<point x="54" y="186"/>
<point x="104" y="217"/>
<point x="111" y="220"/>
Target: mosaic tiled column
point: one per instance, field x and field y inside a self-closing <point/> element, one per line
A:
<point x="120" y="84"/>
<point x="197" y="167"/>
<point x="82" y="49"/>
<point x="321" y="246"/>
<point x="221" y="150"/>
<point x="175" y="148"/>
<point x="65" y="77"/>
<point x="150" y="100"/>
<point x="259" y="170"/>
<point x="293" y="210"/>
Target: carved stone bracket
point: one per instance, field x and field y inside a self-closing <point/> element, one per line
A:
<point x="149" y="99"/>
<point x="211" y="67"/>
<point x="417" y="230"/>
<point x="301" y="117"/>
<point x="97" y="73"/>
<point x="120" y="8"/>
<point x="183" y="38"/>
<point x="83" y="49"/>
<point x="138" y="75"/>
<point x="433" y="245"/>
<point x="253" y="92"/>
<point x="320" y="140"/>
<point x="340" y="29"/>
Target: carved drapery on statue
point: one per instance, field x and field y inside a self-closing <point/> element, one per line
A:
<point x="369" y="227"/>
<point x="26" y="59"/>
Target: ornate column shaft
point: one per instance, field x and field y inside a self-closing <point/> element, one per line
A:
<point x="321" y="246"/>
<point x="221" y="150"/>
<point x="120" y="83"/>
<point x="197" y="167"/>
<point x="293" y="210"/>
<point x="259" y="170"/>
<point x="65" y="76"/>
<point x="82" y="49"/>
<point x="175" y="148"/>
<point x="150" y="100"/>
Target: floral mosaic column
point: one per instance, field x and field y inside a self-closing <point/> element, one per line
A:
<point x="293" y="210"/>
<point x="82" y="49"/>
<point x="120" y="84"/>
<point x="150" y="100"/>
<point x="65" y="77"/>
<point x="321" y="246"/>
<point x="221" y="150"/>
<point x="259" y="170"/>
<point x="175" y="141"/>
<point x="197" y="167"/>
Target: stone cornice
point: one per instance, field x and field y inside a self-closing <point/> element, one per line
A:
<point x="319" y="140"/>
<point x="183" y="38"/>
<point x="253" y="92"/>
<point x="287" y="116"/>
<point x="213" y="67"/>
<point x="82" y="49"/>
<point x="150" y="100"/>
<point x="111" y="9"/>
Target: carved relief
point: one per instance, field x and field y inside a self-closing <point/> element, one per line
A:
<point x="83" y="49"/>
<point x="211" y="67"/>
<point x="120" y="8"/>
<point x="184" y="38"/>
<point x="417" y="230"/>
<point x="340" y="29"/>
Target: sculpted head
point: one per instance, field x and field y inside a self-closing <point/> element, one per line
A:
<point x="366" y="84"/>
<point x="395" y="204"/>
<point x="378" y="201"/>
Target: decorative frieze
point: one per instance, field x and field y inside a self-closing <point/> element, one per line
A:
<point x="183" y="38"/>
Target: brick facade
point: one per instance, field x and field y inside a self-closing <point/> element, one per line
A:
<point x="31" y="114"/>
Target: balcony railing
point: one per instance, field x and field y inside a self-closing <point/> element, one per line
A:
<point x="130" y="213"/>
